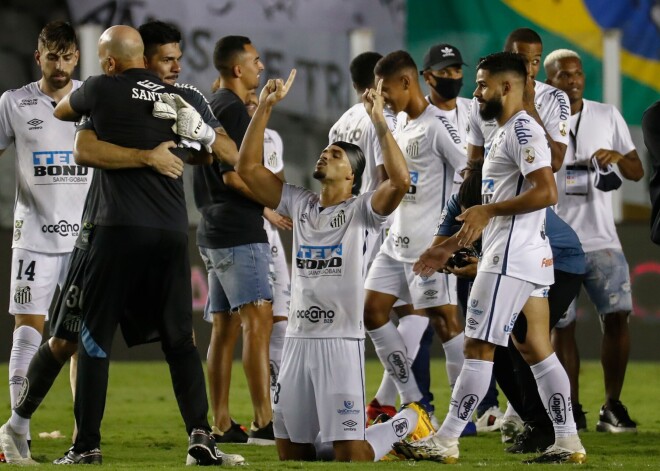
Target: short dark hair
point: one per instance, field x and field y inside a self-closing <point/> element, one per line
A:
<point x="521" y="35"/>
<point x="226" y="50"/>
<point x="504" y="62"/>
<point x="156" y="33"/>
<point x="362" y="69"/>
<point x="394" y="62"/>
<point x="58" y="36"/>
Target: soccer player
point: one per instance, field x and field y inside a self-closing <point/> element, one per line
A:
<point x="50" y="193"/>
<point x="321" y="383"/>
<point x="139" y="246"/>
<point x="234" y="247"/>
<point x="432" y="155"/>
<point x="515" y="269"/>
<point x="600" y="142"/>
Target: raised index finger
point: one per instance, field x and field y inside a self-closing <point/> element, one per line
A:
<point x="379" y="87"/>
<point x="289" y="81"/>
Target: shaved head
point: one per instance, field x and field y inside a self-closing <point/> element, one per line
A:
<point x="124" y="45"/>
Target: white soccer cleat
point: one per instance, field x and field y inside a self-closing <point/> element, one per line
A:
<point x="565" y="450"/>
<point x="511" y="427"/>
<point x="434" y="448"/>
<point x="228" y="459"/>
<point x="15" y="446"/>
<point x="490" y="421"/>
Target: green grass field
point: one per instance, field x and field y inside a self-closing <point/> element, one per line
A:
<point x="143" y="430"/>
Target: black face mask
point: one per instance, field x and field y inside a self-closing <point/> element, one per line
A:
<point x="448" y="88"/>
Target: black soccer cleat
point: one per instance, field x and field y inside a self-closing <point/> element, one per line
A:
<point x="615" y="419"/>
<point x="201" y="447"/>
<point x="82" y="457"/>
<point x="261" y="436"/>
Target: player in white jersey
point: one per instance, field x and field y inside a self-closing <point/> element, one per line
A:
<point x="321" y="383"/>
<point x="432" y="156"/>
<point x="546" y="104"/>
<point x="600" y="142"/>
<point x="280" y="279"/>
<point x="515" y="269"/>
<point x="50" y="192"/>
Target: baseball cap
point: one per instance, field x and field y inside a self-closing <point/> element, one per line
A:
<point x="441" y="56"/>
<point x="606" y="178"/>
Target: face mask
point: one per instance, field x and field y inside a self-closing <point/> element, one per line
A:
<point x="448" y="88"/>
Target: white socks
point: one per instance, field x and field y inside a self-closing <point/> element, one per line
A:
<point x="24" y="346"/>
<point x="381" y="437"/>
<point x="470" y="389"/>
<point x="391" y="351"/>
<point x="275" y="352"/>
<point x="454" y="357"/>
<point x="411" y="328"/>
<point x="510" y="411"/>
<point x="555" y="391"/>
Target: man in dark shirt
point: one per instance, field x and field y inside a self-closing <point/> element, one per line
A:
<point x="139" y="246"/>
<point x="234" y="247"/>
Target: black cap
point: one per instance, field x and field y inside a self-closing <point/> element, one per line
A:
<point x="441" y="56"/>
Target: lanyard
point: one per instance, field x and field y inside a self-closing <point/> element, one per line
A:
<point x="575" y="134"/>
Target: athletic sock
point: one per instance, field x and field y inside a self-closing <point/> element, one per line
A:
<point x="26" y="341"/>
<point x="454" y="357"/>
<point x="468" y="392"/>
<point x="411" y="328"/>
<point x="510" y="411"/>
<point x="275" y="352"/>
<point x="555" y="391"/>
<point x="381" y="437"/>
<point x="392" y="354"/>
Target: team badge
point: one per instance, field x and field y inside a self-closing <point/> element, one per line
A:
<point x="530" y="155"/>
<point x="563" y="128"/>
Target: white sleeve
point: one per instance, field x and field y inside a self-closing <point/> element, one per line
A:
<point x="292" y="198"/>
<point x="621" y="141"/>
<point x="529" y="146"/>
<point x="452" y="152"/>
<point x="474" y="134"/>
<point x="556" y="121"/>
<point x="6" y="130"/>
<point x="390" y="119"/>
<point x="372" y="220"/>
<point x="275" y="163"/>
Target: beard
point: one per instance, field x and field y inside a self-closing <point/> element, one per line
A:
<point x="318" y="175"/>
<point x="492" y="109"/>
<point x="60" y="81"/>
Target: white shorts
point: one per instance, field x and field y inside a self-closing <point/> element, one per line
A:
<point x="278" y="276"/>
<point x="494" y="304"/>
<point x="34" y="278"/>
<point x="320" y="388"/>
<point x="397" y="278"/>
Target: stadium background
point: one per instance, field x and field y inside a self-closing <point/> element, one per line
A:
<point x="319" y="37"/>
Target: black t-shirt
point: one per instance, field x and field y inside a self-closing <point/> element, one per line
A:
<point x="121" y="109"/>
<point x="228" y="219"/>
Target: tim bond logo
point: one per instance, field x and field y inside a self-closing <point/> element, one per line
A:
<point x="465" y="407"/>
<point x="314" y="314"/>
<point x="60" y="165"/>
<point x="320" y="260"/>
<point x="62" y="228"/>
<point x="34" y="124"/>
<point x="400" y="427"/>
<point x="338" y="220"/>
<point x="557" y="408"/>
<point x="412" y="189"/>
<point x="399" y="364"/>
<point x="487" y="190"/>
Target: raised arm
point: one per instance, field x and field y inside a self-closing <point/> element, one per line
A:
<point x="263" y="183"/>
<point x="391" y="191"/>
<point x="64" y="111"/>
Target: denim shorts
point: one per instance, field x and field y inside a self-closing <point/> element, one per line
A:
<point x="237" y="276"/>
<point x="607" y="283"/>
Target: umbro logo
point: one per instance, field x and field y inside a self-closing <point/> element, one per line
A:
<point x="447" y="52"/>
<point x="34" y="124"/>
<point x="430" y="293"/>
<point x="350" y="423"/>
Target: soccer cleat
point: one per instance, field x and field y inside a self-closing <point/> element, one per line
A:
<point x="225" y="459"/>
<point x="615" y="419"/>
<point x="14" y="446"/>
<point x="201" y="447"/>
<point x="511" y="427"/>
<point x="558" y="454"/>
<point x="424" y="426"/>
<point x="434" y="448"/>
<point x="532" y="440"/>
<point x="234" y="434"/>
<point x="261" y="436"/>
<point x="490" y="421"/>
<point x="579" y="417"/>
<point x="374" y="409"/>
<point x="83" y="457"/>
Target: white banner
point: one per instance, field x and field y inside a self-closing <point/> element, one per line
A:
<point x="310" y="35"/>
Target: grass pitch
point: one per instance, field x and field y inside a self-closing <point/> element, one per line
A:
<point x="142" y="428"/>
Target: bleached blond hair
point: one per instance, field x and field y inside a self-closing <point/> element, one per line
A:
<point x="559" y="54"/>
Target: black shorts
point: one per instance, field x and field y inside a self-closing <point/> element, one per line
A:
<point x="66" y="317"/>
<point x="140" y="278"/>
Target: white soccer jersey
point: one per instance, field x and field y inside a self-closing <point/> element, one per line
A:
<point x="516" y="246"/>
<point x="433" y="150"/>
<point x="590" y="216"/>
<point x="551" y="104"/>
<point x="355" y="126"/>
<point x="50" y="187"/>
<point x="327" y="299"/>
<point x="273" y="151"/>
